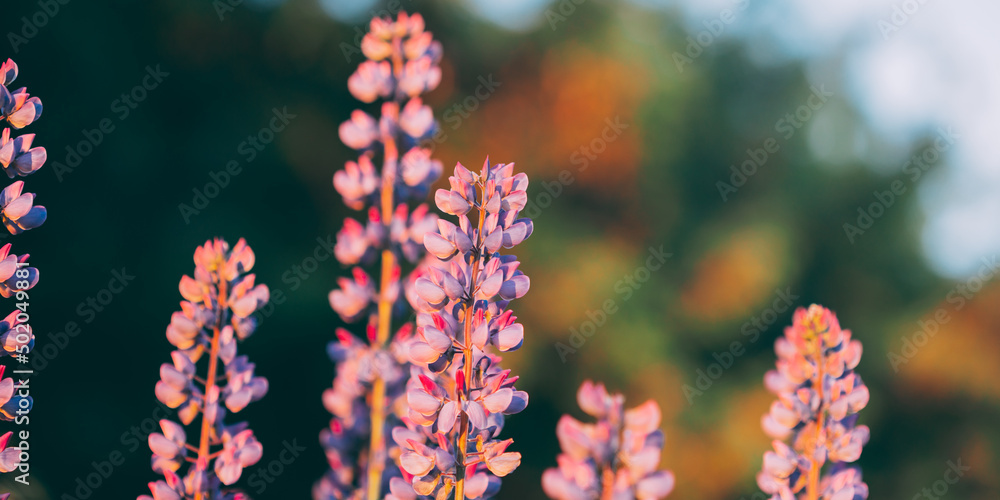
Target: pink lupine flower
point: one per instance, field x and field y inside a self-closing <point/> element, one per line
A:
<point x="15" y="277"/>
<point x="418" y="170"/>
<point x="357" y="182"/>
<point x="819" y="396"/>
<point x="8" y="72"/>
<point x="169" y="448"/>
<point x="372" y="80"/>
<point x="238" y="451"/>
<point x="458" y="405"/>
<point x="16" y="337"/>
<point x="354" y="296"/>
<point x="357" y="242"/>
<point x="11" y="401"/>
<point x="616" y="457"/>
<point x="402" y="41"/>
<point x="416" y="119"/>
<point x="17" y="157"/>
<point x="419" y="76"/>
<point x="367" y="398"/>
<point x="18" y="211"/>
<point x="408" y="230"/>
<point x="19" y="108"/>
<point x="360" y="132"/>
<point x="217" y="311"/>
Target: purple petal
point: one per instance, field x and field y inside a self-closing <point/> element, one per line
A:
<point x="657" y="485"/>
<point x="499" y="401"/>
<point x="415" y="463"/>
<point x="510" y="338"/>
<point x="515" y="287"/>
<point x="446" y="419"/>
<point x="517" y="232"/>
<point x="504" y="464"/>
<point x="439" y="247"/>
<point x="422" y="402"/>
<point x="430" y="292"/>
<point x="476" y="413"/>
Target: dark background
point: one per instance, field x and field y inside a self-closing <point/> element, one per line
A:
<point x="653" y="183"/>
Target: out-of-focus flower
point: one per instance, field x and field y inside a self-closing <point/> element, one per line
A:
<point x="238" y="452"/>
<point x="418" y="168"/>
<point x="354" y="295"/>
<point x="360" y="132"/>
<point x="367" y="398"/>
<point x="169" y="448"/>
<point x="616" y="457"/>
<point x="357" y="243"/>
<point x="357" y="182"/>
<point x="419" y="76"/>
<point x="819" y="396"/>
<point x="219" y="302"/>
<point x="417" y="120"/>
<point x="372" y="80"/>
<point x="413" y="51"/>
<point x="409" y="229"/>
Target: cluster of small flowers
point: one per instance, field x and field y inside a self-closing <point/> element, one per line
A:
<point x="217" y="311"/>
<point x="819" y="397"/>
<point x="18" y="214"/>
<point x="358" y="364"/>
<point x="17" y="157"/>
<point x="615" y="458"/>
<point x="459" y="402"/>
<point x="367" y="398"/>
<point x="402" y="64"/>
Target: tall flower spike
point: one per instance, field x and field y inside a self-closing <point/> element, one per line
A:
<point x="393" y="171"/>
<point x="819" y="397"/>
<point x="458" y="405"/>
<point x="18" y="213"/>
<point x="217" y="310"/>
<point x="614" y="458"/>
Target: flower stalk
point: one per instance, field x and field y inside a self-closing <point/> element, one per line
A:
<point x="372" y="371"/>
<point x="217" y="311"/>
<point x="213" y="368"/>
<point x="458" y="401"/>
<point x="819" y="397"/>
<point x="18" y="213"/>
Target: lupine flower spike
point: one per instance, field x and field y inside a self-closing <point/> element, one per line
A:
<point x="615" y="458"/>
<point x="367" y="399"/>
<point x="217" y="310"/>
<point x="819" y="397"/>
<point x="18" y="213"/>
<point x="459" y="402"/>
